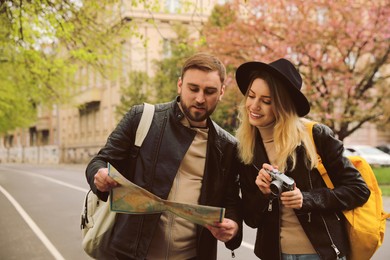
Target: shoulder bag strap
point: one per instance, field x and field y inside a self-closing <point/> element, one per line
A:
<point x="144" y="124"/>
<point x="320" y="166"/>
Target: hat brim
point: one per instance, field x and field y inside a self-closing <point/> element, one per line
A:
<point x="242" y="77"/>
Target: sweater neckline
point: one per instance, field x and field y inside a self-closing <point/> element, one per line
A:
<point x="267" y="132"/>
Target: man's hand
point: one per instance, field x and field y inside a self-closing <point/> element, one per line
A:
<point x="224" y="231"/>
<point x="104" y="182"/>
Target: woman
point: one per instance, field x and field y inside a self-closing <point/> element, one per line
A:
<point x="302" y="220"/>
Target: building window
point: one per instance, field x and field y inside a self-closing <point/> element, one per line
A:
<point x="9" y="141"/>
<point x="45" y="137"/>
<point x="172" y="6"/>
<point x="88" y="118"/>
<point x="167" y="48"/>
<point x="33" y="136"/>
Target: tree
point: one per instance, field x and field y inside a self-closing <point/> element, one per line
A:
<point x="226" y="112"/>
<point x="167" y="72"/>
<point x="138" y="89"/>
<point x="340" y="47"/>
<point x="168" y="69"/>
<point x="42" y="43"/>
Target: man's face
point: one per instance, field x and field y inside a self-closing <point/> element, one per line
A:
<point x="200" y="93"/>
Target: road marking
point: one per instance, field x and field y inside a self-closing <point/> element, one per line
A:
<point x="244" y="244"/>
<point x="50" y="179"/>
<point x="38" y="232"/>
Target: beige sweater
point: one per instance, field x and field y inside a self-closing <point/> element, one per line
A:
<point x="175" y="237"/>
<point x="292" y="237"/>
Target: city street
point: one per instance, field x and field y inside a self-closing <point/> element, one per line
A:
<point x="40" y="215"/>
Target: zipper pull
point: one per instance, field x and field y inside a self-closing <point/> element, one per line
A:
<point x="82" y="226"/>
<point x="270" y="205"/>
<point x="233" y="254"/>
<point x="336" y="250"/>
<point x="309" y="217"/>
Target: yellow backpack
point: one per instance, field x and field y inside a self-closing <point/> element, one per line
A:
<point x="366" y="224"/>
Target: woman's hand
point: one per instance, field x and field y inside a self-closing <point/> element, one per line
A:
<point x="263" y="179"/>
<point x="292" y="199"/>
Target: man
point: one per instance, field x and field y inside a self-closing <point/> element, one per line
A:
<point x="185" y="157"/>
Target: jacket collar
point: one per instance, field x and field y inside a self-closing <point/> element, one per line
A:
<point x="213" y="127"/>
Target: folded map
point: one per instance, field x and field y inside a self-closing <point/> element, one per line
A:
<point x="129" y="198"/>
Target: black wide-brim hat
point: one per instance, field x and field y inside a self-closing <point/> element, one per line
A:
<point x="282" y="69"/>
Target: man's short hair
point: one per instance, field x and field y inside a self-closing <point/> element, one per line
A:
<point x="205" y="62"/>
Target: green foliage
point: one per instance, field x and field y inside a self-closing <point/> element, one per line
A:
<point x="43" y="43"/>
<point x="221" y="16"/>
<point x="227" y="110"/>
<point x="168" y="70"/>
<point x="164" y="82"/>
<point x="138" y="90"/>
<point x="385" y="190"/>
<point x="383" y="177"/>
<point x="13" y="111"/>
<point x="29" y="77"/>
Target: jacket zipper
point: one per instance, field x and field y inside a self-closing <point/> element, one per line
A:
<point x="271" y="199"/>
<point x="139" y="233"/>
<point x="269" y="210"/>
<point x="270" y="204"/>
<point x="336" y="250"/>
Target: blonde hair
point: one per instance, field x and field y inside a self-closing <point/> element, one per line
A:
<point x="289" y="131"/>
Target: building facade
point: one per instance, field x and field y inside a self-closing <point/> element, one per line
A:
<point x="74" y="132"/>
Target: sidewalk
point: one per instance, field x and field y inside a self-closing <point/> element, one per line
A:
<point x="386" y="203"/>
<point x="384" y="251"/>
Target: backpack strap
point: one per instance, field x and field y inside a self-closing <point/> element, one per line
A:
<point x="142" y="130"/>
<point x="320" y="166"/>
<point x="144" y="124"/>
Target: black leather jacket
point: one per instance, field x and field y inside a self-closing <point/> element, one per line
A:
<point x="155" y="166"/>
<point x="322" y="207"/>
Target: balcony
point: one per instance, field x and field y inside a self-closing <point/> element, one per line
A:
<point x="88" y="96"/>
<point x="43" y="123"/>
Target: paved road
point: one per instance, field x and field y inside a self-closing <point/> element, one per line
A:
<point x="40" y="215"/>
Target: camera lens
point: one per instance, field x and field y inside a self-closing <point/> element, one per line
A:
<point x="276" y="187"/>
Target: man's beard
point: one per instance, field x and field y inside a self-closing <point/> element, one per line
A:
<point x="197" y="116"/>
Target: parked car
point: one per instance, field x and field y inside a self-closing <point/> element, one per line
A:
<point x="384" y="147"/>
<point x="372" y="155"/>
<point x="347" y="152"/>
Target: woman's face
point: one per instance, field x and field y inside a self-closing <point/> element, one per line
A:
<point x="258" y="104"/>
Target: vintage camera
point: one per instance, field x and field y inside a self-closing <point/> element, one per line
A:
<point x="280" y="182"/>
